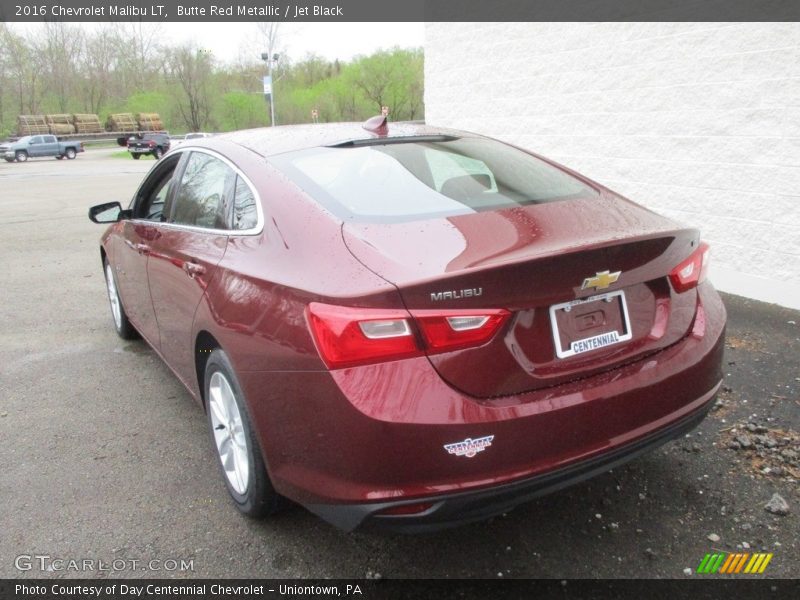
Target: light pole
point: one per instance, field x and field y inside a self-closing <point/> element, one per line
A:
<point x="270" y="60"/>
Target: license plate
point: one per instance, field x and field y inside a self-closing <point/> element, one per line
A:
<point x="590" y="324"/>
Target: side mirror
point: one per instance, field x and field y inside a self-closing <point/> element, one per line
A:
<point x="110" y="212"/>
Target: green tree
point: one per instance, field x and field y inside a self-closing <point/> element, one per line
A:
<point x="242" y="110"/>
<point x="392" y="78"/>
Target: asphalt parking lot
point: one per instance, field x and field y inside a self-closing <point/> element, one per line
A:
<point x="106" y="457"/>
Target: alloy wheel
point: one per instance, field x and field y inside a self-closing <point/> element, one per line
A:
<point x="113" y="297"/>
<point x="229" y="436"/>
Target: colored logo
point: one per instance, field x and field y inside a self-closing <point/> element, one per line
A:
<point x="469" y="447"/>
<point x="734" y="563"/>
<point x="601" y="280"/>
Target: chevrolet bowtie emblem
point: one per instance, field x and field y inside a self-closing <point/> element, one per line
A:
<point x="601" y="281"/>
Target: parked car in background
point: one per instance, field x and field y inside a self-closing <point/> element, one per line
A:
<point x="36" y="146"/>
<point x="410" y="327"/>
<point x="153" y="144"/>
<point x="196" y="135"/>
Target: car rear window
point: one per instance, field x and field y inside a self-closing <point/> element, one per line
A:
<point x="418" y="179"/>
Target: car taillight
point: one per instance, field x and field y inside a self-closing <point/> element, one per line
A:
<point x="691" y="271"/>
<point x="151" y="143"/>
<point x="351" y="336"/>
<point x="456" y="329"/>
<point x="346" y="336"/>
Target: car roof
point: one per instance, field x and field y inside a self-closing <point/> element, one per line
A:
<point x="268" y="141"/>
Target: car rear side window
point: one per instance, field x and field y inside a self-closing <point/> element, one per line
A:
<point x="245" y="214"/>
<point x="414" y="179"/>
<point x="204" y="194"/>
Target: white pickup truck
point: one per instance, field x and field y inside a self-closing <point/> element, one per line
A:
<point x="32" y="146"/>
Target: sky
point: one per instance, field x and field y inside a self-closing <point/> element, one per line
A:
<point x="329" y="40"/>
<point x="229" y="41"/>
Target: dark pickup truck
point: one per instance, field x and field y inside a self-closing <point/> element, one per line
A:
<point x="32" y="146"/>
<point x="155" y="144"/>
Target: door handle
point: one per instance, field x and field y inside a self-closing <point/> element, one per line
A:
<point x="193" y="269"/>
<point x="142" y="248"/>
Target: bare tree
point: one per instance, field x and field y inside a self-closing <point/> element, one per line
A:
<point x="99" y="64"/>
<point x="141" y="58"/>
<point x="192" y="68"/>
<point x="63" y="45"/>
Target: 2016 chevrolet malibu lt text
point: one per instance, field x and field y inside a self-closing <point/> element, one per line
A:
<point x="408" y="327"/>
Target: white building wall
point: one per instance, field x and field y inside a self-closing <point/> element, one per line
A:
<point x="698" y="121"/>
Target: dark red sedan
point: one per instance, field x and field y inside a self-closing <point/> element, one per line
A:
<point x="405" y="326"/>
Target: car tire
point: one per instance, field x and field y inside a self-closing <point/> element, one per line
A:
<point x="158" y="153"/>
<point x="70" y="153"/>
<point x="21" y="156"/>
<point x="122" y="325"/>
<point x="234" y="441"/>
<point x="135" y="156"/>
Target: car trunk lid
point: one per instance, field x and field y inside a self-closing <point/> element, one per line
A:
<point x="586" y="281"/>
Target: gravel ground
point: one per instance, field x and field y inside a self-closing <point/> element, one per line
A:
<point x="106" y="457"/>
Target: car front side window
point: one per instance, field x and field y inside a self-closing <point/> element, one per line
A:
<point x="152" y="209"/>
<point x="153" y="194"/>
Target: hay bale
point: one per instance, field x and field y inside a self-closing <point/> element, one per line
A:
<point x="87" y="123"/>
<point x="121" y="122"/>
<point x="59" y="119"/>
<point x="61" y="128"/>
<point x="31" y="125"/>
<point x="151" y="126"/>
<point x="88" y="127"/>
<point x="149" y="122"/>
<point x="85" y="118"/>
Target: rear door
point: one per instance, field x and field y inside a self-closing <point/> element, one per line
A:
<point x="185" y="256"/>
<point x="50" y="146"/>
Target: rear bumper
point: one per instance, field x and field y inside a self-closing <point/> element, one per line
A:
<point x="456" y="509"/>
<point x="350" y="443"/>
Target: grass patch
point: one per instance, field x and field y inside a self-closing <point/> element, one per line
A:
<point x="127" y="155"/>
<point x="100" y="144"/>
